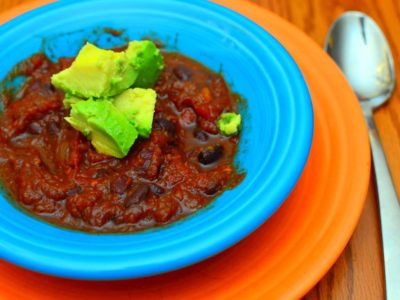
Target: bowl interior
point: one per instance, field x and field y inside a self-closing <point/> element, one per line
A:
<point x="275" y="142"/>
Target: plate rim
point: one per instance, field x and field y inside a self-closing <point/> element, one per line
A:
<point x="167" y="265"/>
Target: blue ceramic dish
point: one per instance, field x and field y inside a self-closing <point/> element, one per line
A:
<point x="275" y="142"/>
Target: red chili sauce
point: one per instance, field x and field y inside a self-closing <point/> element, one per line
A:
<point x="52" y="170"/>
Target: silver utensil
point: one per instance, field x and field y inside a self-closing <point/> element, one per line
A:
<point x="360" y="49"/>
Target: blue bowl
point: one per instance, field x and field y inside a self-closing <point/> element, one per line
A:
<point x="275" y="142"/>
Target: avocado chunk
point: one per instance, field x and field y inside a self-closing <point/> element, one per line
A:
<point x="138" y="105"/>
<point x="229" y="123"/>
<point x="108" y="129"/>
<point x="147" y="60"/>
<point x="69" y="100"/>
<point x="96" y="73"/>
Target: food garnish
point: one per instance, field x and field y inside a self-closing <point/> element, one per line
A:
<point x="110" y="94"/>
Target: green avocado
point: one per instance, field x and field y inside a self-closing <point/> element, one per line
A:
<point x="108" y="129"/>
<point x="229" y="123"/>
<point x="96" y="73"/>
<point x="69" y="100"/>
<point x="138" y="105"/>
<point x="147" y="60"/>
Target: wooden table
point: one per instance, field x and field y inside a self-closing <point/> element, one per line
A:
<point x="358" y="274"/>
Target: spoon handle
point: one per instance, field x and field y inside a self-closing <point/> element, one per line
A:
<point x="389" y="212"/>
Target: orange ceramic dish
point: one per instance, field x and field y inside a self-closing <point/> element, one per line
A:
<point x="291" y="252"/>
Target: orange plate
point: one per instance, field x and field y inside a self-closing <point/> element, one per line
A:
<point x="291" y="252"/>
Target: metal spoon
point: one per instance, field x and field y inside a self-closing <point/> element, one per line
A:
<point x="360" y="49"/>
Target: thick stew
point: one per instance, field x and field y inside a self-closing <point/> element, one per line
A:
<point x="51" y="170"/>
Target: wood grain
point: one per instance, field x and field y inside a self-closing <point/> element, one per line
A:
<point x="358" y="273"/>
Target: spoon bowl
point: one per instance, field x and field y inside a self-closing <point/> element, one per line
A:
<point x="359" y="47"/>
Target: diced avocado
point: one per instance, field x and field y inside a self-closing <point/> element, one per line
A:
<point x="69" y="100"/>
<point x="147" y="61"/>
<point x="138" y="105"/>
<point x="96" y="73"/>
<point x="229" y="123"/>
<point x="108" y="129"/>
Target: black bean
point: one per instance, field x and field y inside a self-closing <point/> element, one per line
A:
<point x="212" y="188"/>
<point x="53" y="128"/>
<point x="146" y="154"/>
<point x="183" y="73"/>
<point x="35" y="128"/>
<point x="210" y="154"/>
<point x="166" y="125"/>
<point x="201" y="136"/>
<point x="121" y="184"/>
<point x="157" y="190"/>
<point x="137" y="195"/>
